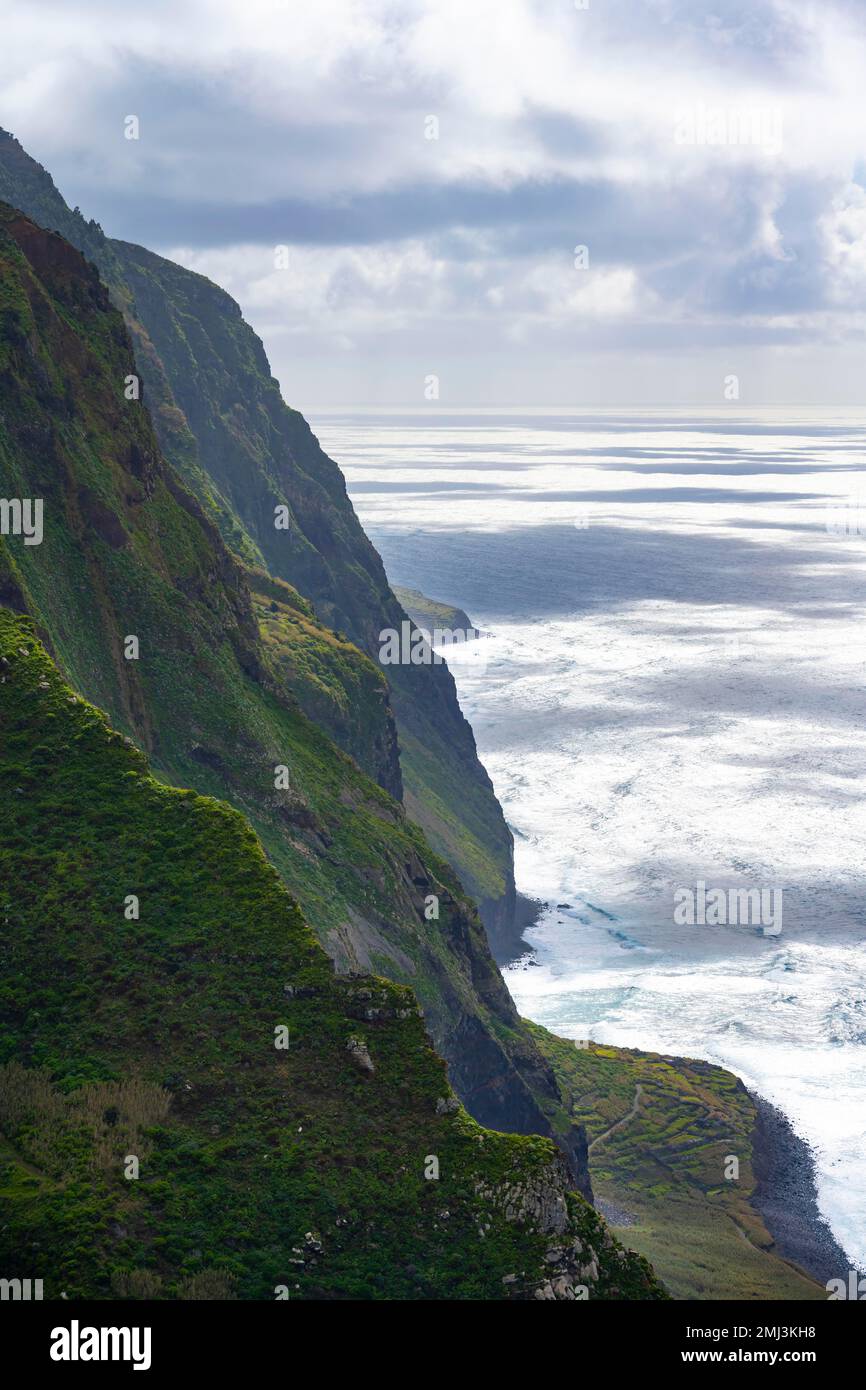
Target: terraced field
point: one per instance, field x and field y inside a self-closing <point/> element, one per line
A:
<point x="663" y="1133"/>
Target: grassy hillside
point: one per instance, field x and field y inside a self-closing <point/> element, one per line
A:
<point x="336" y="685"/>
<point x="431" y="613"/>
<point x="661" y="1131"/>
<point x="151" y="1037"/>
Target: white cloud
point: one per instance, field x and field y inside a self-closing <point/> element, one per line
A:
<point x="844" y="230"/>
<point x="306" y="123"/>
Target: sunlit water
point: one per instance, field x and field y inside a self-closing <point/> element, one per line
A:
<point x="673" y="689"/>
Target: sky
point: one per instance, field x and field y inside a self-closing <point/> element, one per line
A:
<point x="429" y="203"/>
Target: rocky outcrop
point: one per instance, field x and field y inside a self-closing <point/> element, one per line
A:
<point x="580" y="1258"/>
<point x="431" y="614"/>
<point x="360" y="1055"/>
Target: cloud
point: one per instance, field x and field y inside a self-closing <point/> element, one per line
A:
<point x="433" y="165"/>
<point x="844" y="232"/>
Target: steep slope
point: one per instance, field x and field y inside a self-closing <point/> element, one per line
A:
<point x="150" y="617"/>
<point x="191" y="1103"/>
<point x="222" y="422"/>
<point x="338" y="687"/>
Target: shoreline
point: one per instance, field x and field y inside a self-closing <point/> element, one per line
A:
<point x="786" y="1196"/>
<point x="783" y="1164"/>
<point x="508" y="947"/>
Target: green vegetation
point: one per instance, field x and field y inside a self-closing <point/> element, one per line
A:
<point x="256" y="454"/>
<point x="155" y="1036"/>
<point x="661" y="1130"/>
<point x="218" y="692"/>
<point x="335" y="684"/>
<point x="429" y="613"/>
<point x="224" y="426"/>
<point x="148" y="1032"/>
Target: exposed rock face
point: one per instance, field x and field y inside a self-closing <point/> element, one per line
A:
<point x="581" y="1259"/>
<point x="502" y="1090"/>
<point x="360" y="1055"/>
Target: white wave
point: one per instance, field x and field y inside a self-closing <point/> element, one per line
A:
<point x="673" y="690"/>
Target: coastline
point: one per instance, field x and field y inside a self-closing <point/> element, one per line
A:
<point x="509" y="945"/>
<point x="786" y="1196"/>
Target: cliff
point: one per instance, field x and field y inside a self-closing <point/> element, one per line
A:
<point x="223" y="667"/>
<point x="222" y="422"/>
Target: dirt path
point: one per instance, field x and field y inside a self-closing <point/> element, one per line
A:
<point x="599" y="1139"/>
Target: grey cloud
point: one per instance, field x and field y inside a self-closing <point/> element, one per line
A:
<point x="760" y="35"/>
<point x="228" y="158"/>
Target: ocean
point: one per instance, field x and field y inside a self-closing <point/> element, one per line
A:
<point x="670" y="698"/>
